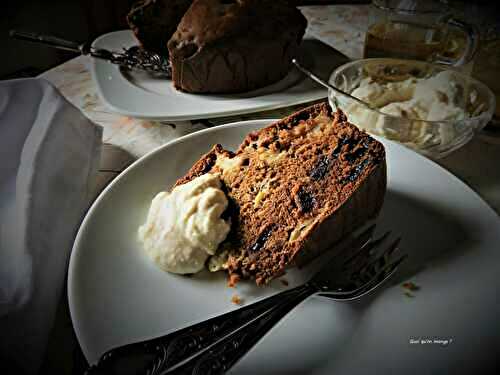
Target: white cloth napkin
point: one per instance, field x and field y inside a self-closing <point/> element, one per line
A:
<point x="49" y="155"/>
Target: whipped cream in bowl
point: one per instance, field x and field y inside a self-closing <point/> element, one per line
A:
<point x="184" y="227"/>
<point x="427" y="107"/>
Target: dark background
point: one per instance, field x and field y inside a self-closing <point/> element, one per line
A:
<point x="78" y="20"/>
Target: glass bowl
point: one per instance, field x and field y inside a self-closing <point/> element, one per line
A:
<point x="427" y="107"/>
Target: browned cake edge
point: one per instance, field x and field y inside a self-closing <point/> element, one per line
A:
<point x="204" y="164"/>
<point x="292" y="120"/>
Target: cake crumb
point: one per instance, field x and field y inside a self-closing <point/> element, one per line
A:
<point x="233" y="280"/>
<point x="284" y="282"/>
<point x="236" y="300"/>
<point x="410" y="286"/>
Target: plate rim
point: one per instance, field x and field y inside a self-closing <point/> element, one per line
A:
<point x="297" y="99"/>
<point x="151" y="154"/>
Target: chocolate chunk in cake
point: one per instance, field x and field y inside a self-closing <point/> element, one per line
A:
<point x="296" y="187"/>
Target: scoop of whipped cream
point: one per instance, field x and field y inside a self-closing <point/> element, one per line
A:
<point x="438" y="98"/>
<point x="184" y="227"/>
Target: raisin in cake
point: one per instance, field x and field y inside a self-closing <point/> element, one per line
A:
<point x="154" y="22"/>
<point x="224" y="46"/>
<point x="295" y="188"/>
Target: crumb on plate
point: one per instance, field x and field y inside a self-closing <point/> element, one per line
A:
<point x="236" y="300"/>
<point x="410" y="286"/>
<point x="233" y="280"/>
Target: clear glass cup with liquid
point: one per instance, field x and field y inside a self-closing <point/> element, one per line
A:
<point x="420" y="30"/>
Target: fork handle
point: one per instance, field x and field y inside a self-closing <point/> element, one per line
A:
<point x="160" y="354"/>
<point x="224" y="354"/>
<point x="49" y="40"/>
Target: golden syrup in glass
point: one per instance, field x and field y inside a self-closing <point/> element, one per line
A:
<point x="404" y="40"/>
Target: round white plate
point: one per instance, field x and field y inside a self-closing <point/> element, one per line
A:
<point x="139" y="95"/>
<point x="117" y="295"/>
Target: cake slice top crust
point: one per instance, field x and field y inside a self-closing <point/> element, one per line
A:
<point x="208" y="21"/>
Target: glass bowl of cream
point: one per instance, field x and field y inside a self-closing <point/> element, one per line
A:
<point x="427" y="107"/>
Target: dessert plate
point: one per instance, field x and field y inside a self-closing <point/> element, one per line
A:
<point x="117" y="295"/>
<point x="140" y="95"/>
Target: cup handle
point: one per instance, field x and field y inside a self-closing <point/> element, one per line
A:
<point x="472" y="36"/>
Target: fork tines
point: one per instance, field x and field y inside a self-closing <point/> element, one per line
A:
<point x="369" y="261"/>
<point x="369" y="268"/>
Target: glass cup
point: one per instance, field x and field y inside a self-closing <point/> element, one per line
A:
<point x="487" y="64"/>
<point x="419" y="30"/>
<point x="391" y="83"/>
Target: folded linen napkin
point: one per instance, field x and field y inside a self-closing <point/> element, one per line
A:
<point x="49" y="155"/>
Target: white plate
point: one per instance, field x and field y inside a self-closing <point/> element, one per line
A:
<point x="117" y="295"/>
<point x="140" y="95"/>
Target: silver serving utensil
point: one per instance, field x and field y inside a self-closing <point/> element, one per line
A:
<point x="213" y="346"/>
<point x="315" y="78"/>
<point x="133" y="58"/>
<point x="363" y="273"/>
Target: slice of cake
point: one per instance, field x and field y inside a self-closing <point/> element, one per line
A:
<point x="225" y="46"/>
<point x="154" y="22"/>
<point x="295" y="188"/>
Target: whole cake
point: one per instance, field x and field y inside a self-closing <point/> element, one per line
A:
<point x="154" y="22"/>
<point x="294" y="188"/>
<point x="228" y="46"/>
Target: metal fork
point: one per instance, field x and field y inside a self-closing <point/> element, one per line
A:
<point x="133" y="58"/>
<point x="215" y="345"/>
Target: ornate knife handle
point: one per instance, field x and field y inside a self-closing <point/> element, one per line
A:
<point x="224" y="354"/>
<point x="155" y="356"/>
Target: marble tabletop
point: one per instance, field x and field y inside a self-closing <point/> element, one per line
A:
<point x="125" y="138"/>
